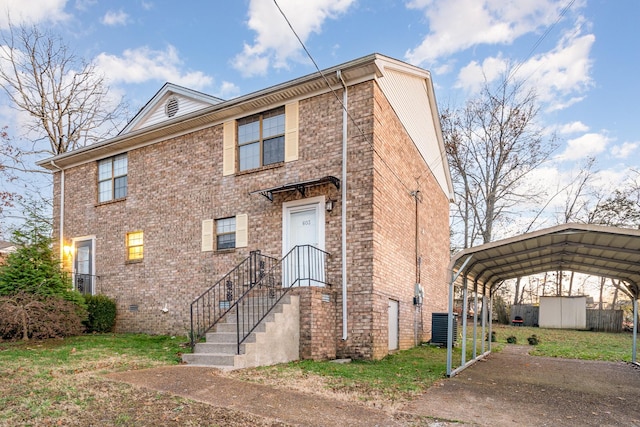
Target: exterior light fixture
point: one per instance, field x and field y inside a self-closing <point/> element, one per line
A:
<point x="329" y="205"/>
<point x="68" y="250"/>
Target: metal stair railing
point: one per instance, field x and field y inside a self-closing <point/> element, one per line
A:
<point x="213" y="304"/>
<point x="304" y="265"/>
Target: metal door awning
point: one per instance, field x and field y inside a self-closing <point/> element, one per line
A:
<point x="300" y="187"/>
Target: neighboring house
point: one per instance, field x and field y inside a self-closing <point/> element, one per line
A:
<point x="194" y="185"/>
<point x="5" y="249"/>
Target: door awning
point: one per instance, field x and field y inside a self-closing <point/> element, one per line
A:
<point x="300" y="186"/>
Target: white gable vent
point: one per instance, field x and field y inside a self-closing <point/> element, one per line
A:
<point x="171" y="107"/>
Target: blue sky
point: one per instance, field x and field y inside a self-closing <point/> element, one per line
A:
<point x="581" y="56"/>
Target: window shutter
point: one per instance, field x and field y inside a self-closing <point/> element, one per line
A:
<point x="229" y="148"/>
<point x="291" y="132"/>
<point x="242" y="230"/>
<point x="207" y="235"/>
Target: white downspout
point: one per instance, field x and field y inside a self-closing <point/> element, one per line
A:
<point x="345" y="116"/>
<point x="61" y="234"/>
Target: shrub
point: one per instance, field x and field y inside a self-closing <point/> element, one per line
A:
<point x="34" y="268"/>
<point x="533" y="340"/>
<point x="101" y="313"/>
<point x="512" y="339"/>
<point x="26" y="315"/>
<point x="493" y="336"/>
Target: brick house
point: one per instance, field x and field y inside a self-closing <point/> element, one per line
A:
<point x="194" y="186"/>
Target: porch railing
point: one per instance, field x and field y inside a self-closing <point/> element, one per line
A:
<point x="215" y="302"/>
<point x="254" y="288"/>
<point x="304" y="265"/>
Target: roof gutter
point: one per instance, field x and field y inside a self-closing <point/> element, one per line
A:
<point x="345" y="116"/>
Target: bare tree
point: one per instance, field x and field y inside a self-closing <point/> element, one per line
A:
<point x="493" y="143"/>
<point x="65" y="96"/>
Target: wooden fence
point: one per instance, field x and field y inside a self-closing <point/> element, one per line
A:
<point x="597" y="320"/>
<point x="604" y="320"/>
<point x="528" y="312"/>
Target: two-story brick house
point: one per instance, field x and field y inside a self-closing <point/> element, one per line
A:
<point x="349" y="161"/>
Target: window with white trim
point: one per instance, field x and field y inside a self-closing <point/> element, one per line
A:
<point x="112" y="178"/>
<point x="225" y="233"/>
<point x="261" y="139"/>
<point x="135" y="246"/>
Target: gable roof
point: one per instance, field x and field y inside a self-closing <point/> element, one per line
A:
<point x="583" y="248"/>
<point x="408" y="88"/>
<point x="158" y="109"/>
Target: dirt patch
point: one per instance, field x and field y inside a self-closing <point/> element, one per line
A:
<point x="507" y="388"/>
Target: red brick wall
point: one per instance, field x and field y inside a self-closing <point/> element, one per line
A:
<point x="175" y="184"/>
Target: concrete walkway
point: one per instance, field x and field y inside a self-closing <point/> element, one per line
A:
<point x="507" y="388"/>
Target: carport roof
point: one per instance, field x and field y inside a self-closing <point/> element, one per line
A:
<point x="583" y="248"/>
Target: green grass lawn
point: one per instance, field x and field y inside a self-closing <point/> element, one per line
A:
<point x="61" y="381"/>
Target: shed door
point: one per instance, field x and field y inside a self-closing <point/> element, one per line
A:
<point x="393" y="324"/>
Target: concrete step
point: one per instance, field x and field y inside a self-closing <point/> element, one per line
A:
<point x="218" y="348"/>
<point x="210" y="359"/>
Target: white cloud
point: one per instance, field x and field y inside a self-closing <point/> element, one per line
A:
<point x="573" y="127"/>
<point x="275" y="44"/>
<point x="474" y="75"/>
<point x="625" y="150"/>
<point x="457" y="25"/>
<point x="587" y="145"/>
<point x="85" y="4"/>
<point x="563" y="72"/>
<point x="143" y="64"/>
<point x="228" y="90"/>
<point x="113" y="18"/>
<point x="31" y="11"/>
<point x="559" y="76"/>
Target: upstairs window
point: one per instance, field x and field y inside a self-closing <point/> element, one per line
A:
<point x="226" y="233"/>
<point x="135" y="246"/>
<point x="261" y="139"/>
<point x="112" y="178"/>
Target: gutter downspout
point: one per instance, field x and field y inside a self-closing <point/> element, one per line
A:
<point x="61" y="235"/>
<point x="345" y="332"/>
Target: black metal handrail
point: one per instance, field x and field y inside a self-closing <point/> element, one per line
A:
<point x="304" y="265"/>
<point x="211" y="306"/>
<point x="85" y="283"/>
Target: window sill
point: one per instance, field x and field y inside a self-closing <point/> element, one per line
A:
<point x="260" y="169"/>
<point x="108" y="202"/>
<point x="225" y="251"/>
<point x="133" y="261"/>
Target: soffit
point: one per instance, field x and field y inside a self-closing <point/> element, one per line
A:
<point x="583" y="248"/>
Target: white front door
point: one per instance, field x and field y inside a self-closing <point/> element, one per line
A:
<point x="303" y="226"/>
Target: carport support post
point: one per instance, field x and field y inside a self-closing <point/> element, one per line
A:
<point x="450" y="328"/>
<point x="490" y="318"/>
<point x="454" y="277"/>
<point x="484" y="319"/>
<point x="635" y="330"/>
<point x="464" y="321"/>
<point x="475" y="318"/>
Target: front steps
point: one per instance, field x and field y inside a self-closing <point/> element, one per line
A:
<point x="275" y="340"/>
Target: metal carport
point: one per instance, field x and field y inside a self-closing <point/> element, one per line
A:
<point x="583" y="248"/>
